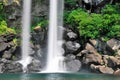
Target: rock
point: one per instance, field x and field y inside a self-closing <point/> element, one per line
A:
<point x="71" y="47"/>
<point x="101" y="69"/>
<point x="71" y="36"/>
<point x="9" y="37"/>
<point x="98" y="45"/>
<point x="113" y="61"/>
<point x="105" y="59"/>
<point x="37" y="29"/>
<point x="12" y="67"/>
<point x="7" y="55"/>
<point x="38" y="36"/>
<point x="73" y="65"/>
<point x="90" y="48"/>
<point x="114" y="44"/>
<point x="82" y="53"/>
<point x="117" y="72"/>
<point x="93" y="42"/>
<point x="2" y="39"/>
<point x="34" y="66"/>
<point x="3" y="46"/>
<point x="92" y="55"/>
<point x="92" y="58"/>
<point x="17" y="53"/>
<point x="70" y="56"/>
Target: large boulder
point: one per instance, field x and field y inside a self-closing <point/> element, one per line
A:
<point x="34" y="66"/>
<point x="71" y="47"/>
<point x="98" y="45"/>
<point x="101" y="69"/>
<point x="91" y="55"/>
<point x="11" y="67"/>
<point x="69" y="35"/>
<point x="114" y="44"/>
<point x="73" y="65"/>
<point x="113" y="61"/>
<point x="38" y="35"/>
<point x="117" y="72"/>
<point x="3" y="46"/>
<point x="8" y="45"/>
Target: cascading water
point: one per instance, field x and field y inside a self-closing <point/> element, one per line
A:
<point x="26" y="34"/>
<point x="55" y="54"/>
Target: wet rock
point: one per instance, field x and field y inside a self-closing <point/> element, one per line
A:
<point x="2" y="39"/>
<point x="3" y="46"/>
<point x="9" y="37"/>
<point x="38" y="35"/>
<point x="70" y="56"/>
<point x="12" y="67"/>
<point x="117" y="72"/>
<point x="71" y="47"/>
<point x="40" y="8"/>
<point x="34" y="66"/>
<point x="71" y="36"/>
<point x="7" y="55"/>
<point x="101" y="69"/>
<point x="17" y="53"/>
<point x="1" y="65"/>
<point x="73" y="65"/>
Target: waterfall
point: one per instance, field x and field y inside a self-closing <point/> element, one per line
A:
<point x="55" y="53"/>
<point x="26" y="19"/>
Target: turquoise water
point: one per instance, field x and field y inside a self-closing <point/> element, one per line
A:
<point x="58" y="76"/>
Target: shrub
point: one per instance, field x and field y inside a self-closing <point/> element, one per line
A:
<point x="104" y="26"/>
<point x="4" y="29"/>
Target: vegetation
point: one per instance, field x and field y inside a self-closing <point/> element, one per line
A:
<point x="43" y="22"/>
<point x="4" y="29"/>
<point x="3" y="25"/>
<point x="105" y="25"/>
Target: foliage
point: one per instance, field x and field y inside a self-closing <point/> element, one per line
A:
<point x="4" y="29"/>
<point x="110" y="9"/>
<point x="105" y="25"/>
<point x="43" y="22"/>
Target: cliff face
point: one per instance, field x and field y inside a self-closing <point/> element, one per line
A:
<point x="14" y="8"/>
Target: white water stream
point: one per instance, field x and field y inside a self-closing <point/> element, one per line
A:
<point x="55" y="57"/>
<point x="26" y="22"/>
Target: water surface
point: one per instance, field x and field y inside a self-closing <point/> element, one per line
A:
<point x="58" y="76"/>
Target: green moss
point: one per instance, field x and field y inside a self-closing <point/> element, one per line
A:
<point x="4" y="29"/>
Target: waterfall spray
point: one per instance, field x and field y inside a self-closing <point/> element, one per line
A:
<point x="26" y="33"/>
